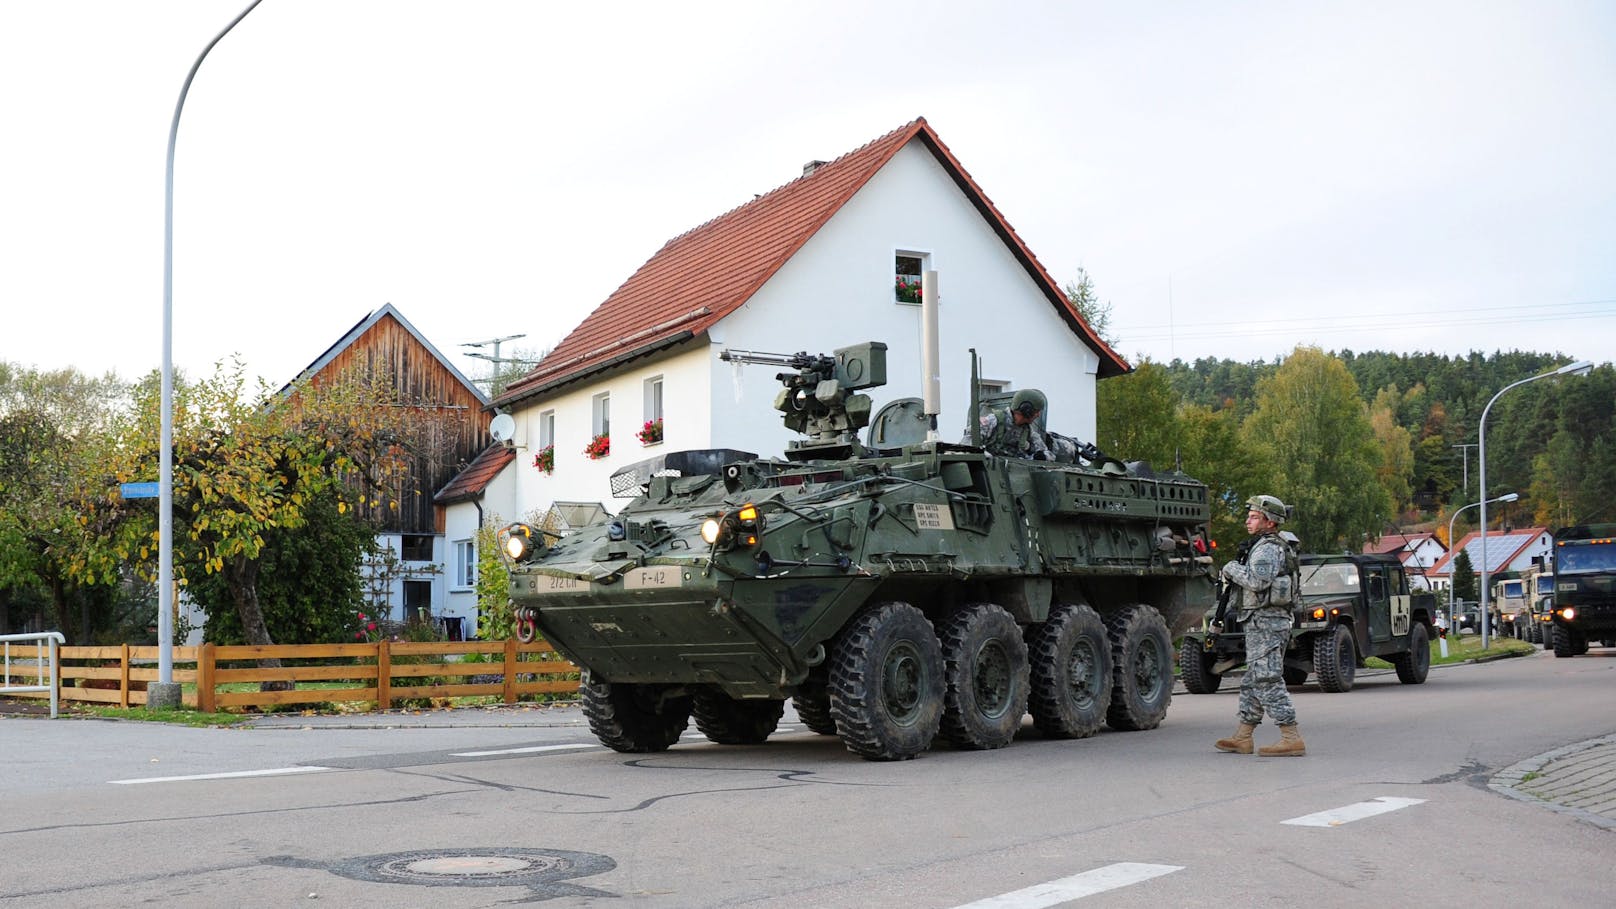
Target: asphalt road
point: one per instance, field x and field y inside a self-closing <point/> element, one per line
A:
<point x="1391" y="806"/>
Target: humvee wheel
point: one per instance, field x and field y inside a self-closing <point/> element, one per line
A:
<point x="1294" y="676"/>
<point x="1414" y="666"/>
<point x="1141" y="668"/>
<point x="1070" y="672"/>
<point x="812" y="703"/>
<point x="1335" y="661"/>
<point x="985" y="669"/>
<point x="886" y="683"/>
<point x="1195" y="667"/>
<point x="633" y="718"/>
<point x="730" y="721"/>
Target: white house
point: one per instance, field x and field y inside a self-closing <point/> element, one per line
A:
<point x="810" y="266"/>
<point x="1417" y="551"/>
<point x="1507" y="551"/>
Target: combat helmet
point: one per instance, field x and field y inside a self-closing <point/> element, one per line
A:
<point x="1270" y="507"/>
<point x="1029" y="402"/>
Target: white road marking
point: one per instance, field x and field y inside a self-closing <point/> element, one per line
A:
<point x="531" y="750"/>
<point x="1053" y="893"/>
<point x="1335" y="817"/>
<point x="239" y="774"/>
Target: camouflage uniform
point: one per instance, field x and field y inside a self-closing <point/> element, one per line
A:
<point x="1001" y="436"/>
<point x="1268" y="631"/>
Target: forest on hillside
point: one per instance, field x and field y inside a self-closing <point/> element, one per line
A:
<point x="1365" y="444"/>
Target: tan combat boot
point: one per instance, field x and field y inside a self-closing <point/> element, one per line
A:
<point x="1239" y="743"/>
<point x="1289" y="745"/>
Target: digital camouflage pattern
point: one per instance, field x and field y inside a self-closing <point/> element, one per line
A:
<point x="1263" y="686"/>
<point x="1268" y="631"/>
<point x="1255" y="575"/>
<point x="1001" y="436"/>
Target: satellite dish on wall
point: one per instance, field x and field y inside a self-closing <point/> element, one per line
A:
<point x="502" y="427"/>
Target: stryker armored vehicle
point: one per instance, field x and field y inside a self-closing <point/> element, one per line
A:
<point x="899" y="591"/>
<point x="1352" y="607"/>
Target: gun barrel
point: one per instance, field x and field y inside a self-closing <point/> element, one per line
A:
<point x="762" y="358"/>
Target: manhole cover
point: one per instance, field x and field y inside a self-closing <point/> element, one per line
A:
<point x="544" y="871"/>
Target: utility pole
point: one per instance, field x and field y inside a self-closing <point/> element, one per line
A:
<point x="495" y="386"/>
<point x="1465" y="447"/>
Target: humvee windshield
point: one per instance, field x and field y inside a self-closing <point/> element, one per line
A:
<point x="1330" y="579"/>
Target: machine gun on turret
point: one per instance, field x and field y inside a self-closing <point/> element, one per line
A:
<point x="818" y="399"/>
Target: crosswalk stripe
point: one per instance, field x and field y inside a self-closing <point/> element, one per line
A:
<point x="1089" y="883"/>
<point x="1335" y="817"/>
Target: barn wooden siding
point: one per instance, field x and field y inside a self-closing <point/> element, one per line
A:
<point x="457" y="426"/>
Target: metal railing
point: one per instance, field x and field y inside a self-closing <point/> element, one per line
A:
<point x="40" y="663"/>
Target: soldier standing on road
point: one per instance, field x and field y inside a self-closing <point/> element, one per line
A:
<point x="1268" y="630"/>
<point x="1013" y="431"/>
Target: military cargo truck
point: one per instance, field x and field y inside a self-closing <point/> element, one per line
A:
<point x="1584" y="588"/>
<point x="1353" y="607"/>
<point x="898" y="592"/>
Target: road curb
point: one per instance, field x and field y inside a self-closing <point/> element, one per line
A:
<point x="1550" y="770"/>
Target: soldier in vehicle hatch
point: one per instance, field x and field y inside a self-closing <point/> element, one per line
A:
<point x="1264" y="582"/>
<point x="1013" y="431"/>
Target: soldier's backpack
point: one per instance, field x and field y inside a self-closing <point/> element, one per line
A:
<point x="1287" y="586"/>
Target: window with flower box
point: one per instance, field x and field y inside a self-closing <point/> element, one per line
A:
<point x="908" y="267"/>
<point x="650" y="432"/>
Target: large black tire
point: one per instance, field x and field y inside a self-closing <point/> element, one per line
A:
<point x="1335" y="659"/>
<point x="985" y="668"/>
<point x="1414" y="666"/>
<point x="1294" y="677"/>
<point x="1141" y="668"/>
<point x="1565" y="643"/>
<point x="631" y="718"/>
<point x="886" y="683"/>
<point x="729" y="721"/>
<point x="1195" y="667"/>
<point x="812" y="703"/>
<point x="1070" y="677"/>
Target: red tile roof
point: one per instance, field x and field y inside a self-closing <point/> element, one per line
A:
<point x="704" y="274"/>
<point x="1397" y="542"/>
<point x="1503" y="547"/>
<point x="470" y="483"/>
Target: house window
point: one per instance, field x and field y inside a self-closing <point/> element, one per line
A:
<point x="908" y="267"/>
<point x="650" y="432"/>
<point x="987" y="388"/>
<point x="601" y="415"/>
<point x="465" y="564"/>
<point x="416" y="547"/>
<point x="546" y="429"/>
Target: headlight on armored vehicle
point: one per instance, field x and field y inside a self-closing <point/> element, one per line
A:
<point x="1569" y="613"/>
<point x="743" y="526"/>
<point x="516" y="541"/>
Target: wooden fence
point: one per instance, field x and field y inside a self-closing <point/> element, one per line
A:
<point x="214" y="678"/>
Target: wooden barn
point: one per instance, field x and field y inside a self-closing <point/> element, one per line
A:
<point x="454" y="430"/>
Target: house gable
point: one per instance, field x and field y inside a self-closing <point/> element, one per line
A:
<point x="703" y="275"/>
<point x="385" y="343"/>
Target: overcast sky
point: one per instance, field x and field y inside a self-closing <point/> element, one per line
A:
<point x="1237" y="178"/>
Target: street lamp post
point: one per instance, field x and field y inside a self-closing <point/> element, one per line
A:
<point x="1453" y="620"/>
<point x="1579" y="368"/>
<point x="166" y="693"/>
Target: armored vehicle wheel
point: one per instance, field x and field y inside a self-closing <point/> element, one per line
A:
<point x="1335" y="661"/>
<point x="1565" y="644"/>
<point x="1294" y="676"/>
<point x="1195" y="667"/>
<point x="633" y="718"/>
<point x="1070" y="672"/>
<point x="1141" y="668"/>
<point x="886" y="683"/>
<point x="1414" y="666"/>
<point x="729" y="721"/>
<point x="985" y="669"/>
<point x="812" y="703"/>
